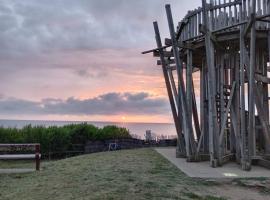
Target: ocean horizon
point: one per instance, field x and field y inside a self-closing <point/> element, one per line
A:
<point x="137" y="129"/>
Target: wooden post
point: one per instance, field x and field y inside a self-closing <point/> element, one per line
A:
<point x="189" y="78"/>
<point x="213" y="145"/>
<point x="244" y="150"/>
<point x="167" y="82"/>
<point x="188" y="133"/>
<point x="251" y="105"/>
<point x="37" y="156"/>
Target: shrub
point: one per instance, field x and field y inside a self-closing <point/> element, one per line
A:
<point x="113" y="132"/>
<point x="60" y="139"/>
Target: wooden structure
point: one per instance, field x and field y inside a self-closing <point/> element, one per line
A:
<point x="226" y="45"/>
<point x="10" y="152"/>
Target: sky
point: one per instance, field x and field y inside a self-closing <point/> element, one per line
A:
<point x="81" y="60"/>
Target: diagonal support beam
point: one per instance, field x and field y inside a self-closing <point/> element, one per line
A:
<point x="262" y="115"/>
<point x="167" y="81"/>
<point x="223" y="123"/>
<point x="187" y="125"/>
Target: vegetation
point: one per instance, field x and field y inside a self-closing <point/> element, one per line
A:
<point x="60" y="139"/>
<point x="127" y="174"/>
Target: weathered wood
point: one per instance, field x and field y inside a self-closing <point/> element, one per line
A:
<point x="34" y="147"/>
<point x="244" y="152"/>
<point x="211" y="90"/>
<point x="223" y="123"/>
<point x="229" y="43"/>
<point x="251" y="105"/>
<point x="195" y="113"/>
<point x="167" y="54"/>
<point x="167" y="81"/>
<point x="261" y="78"/>
<point x="188" y="133"/>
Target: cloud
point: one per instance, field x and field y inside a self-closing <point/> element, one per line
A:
<point x="107" y="104"/>
<point x="82" y="48"/>
<point x="32" y="26"/>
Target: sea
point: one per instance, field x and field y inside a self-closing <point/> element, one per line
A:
<point x="137" y="130"/>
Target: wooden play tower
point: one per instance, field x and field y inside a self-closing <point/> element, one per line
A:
<point x="226" y="45"/>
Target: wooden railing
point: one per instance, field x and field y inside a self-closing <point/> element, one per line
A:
<point x="224" y="15"/>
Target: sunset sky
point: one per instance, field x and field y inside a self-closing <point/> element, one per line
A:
<point x="81" y="59"/>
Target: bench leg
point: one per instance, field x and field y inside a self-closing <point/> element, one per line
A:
<point x="37" y="162"/>
<point x="37" y="157"/>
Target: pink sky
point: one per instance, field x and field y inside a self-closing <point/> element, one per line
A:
<point x="78" y="55"/>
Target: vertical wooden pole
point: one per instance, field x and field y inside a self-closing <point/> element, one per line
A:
<point x="202" y="109"/>
<point x="189" y="77"/>
<point x="244" y="150"/>
<point x="213" y="139"/>
<point x="205" y="107"/>
<point x="222" y="103"/>
<point x="251" y="105"/>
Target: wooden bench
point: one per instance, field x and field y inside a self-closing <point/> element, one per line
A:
<point x="10" y="152"/>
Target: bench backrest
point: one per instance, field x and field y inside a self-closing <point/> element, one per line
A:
<point x="20" y="148"/>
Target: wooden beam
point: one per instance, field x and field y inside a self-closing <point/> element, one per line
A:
<point x="249" y="25"/>
<point x="223" y="123"/>
<point x="167" y="81"/>
<point x="251" y="104"/>
<point x="167" y="54"/>
<point x="244" y="151"/>
<point x="195" y="113"/>
<point x="211" y="89"/>
<point x="188" y="133"/>
<point x="261" y="78"/>
<point x="167" y="62"/>
<point x="262" y="115"/>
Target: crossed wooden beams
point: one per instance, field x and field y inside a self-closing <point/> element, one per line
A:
<point x="223" y="129"/>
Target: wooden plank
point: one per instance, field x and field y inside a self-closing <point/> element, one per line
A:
<point x="19" y="145"/>
<point x="195" y="113"/>
<point x="167" y="54"/>
<point x="175" y="94"/>
<point x="251" y="104"/>
<point x="244" y="160"/>
<point x="167" y="62"/>
<point x="203" y="140"/>
<point x="211" y="89"/>
<point x="18" y="156"/>
<point x="168" y="42"/>
<point x="178" y="126"/>
<point x="223" y="123"/>
<point x="261" y="78"/>
<point x="188" y="133"/>
<point x="262" y="115"/>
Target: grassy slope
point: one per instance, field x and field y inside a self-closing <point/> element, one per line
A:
<point x="130" y="174"/>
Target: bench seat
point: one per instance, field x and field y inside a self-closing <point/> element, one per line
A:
<point x="18" y="156"/>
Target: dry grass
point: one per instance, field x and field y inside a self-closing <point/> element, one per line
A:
<point x="129" y="174"/>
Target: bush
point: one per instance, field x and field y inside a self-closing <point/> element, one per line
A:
<point x="113" y="132"/>
<point x="60" y="139"/>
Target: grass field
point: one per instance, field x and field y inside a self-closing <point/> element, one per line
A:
<point x="129" y="174"/>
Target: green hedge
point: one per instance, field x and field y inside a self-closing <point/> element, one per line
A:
<point x="60" y="139"/>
